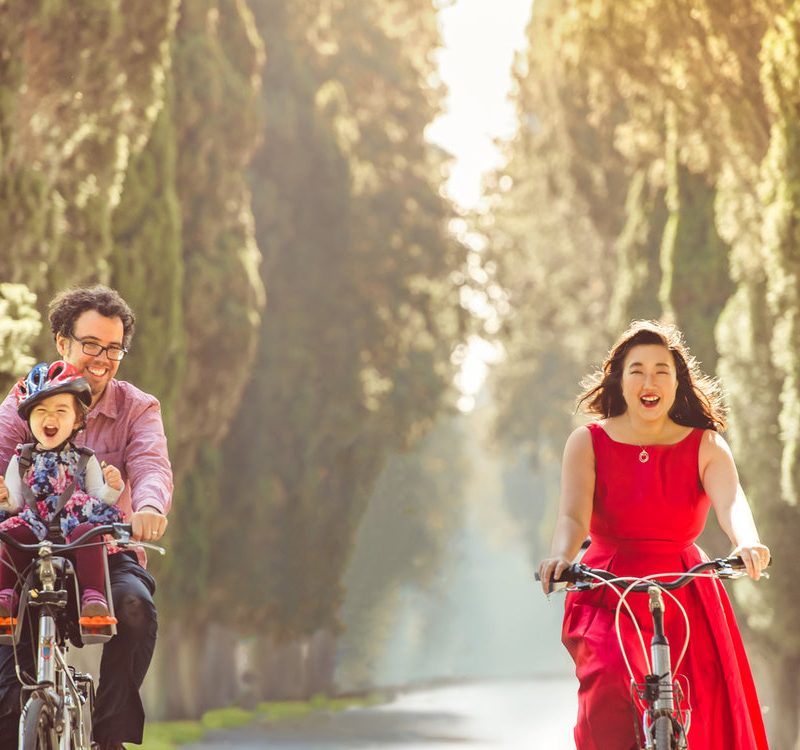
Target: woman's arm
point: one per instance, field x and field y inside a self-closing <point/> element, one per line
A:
<point x="721" y="483"/>
<point x="575" y="506"/>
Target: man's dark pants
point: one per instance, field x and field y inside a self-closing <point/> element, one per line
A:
<point x="118" y="715"/>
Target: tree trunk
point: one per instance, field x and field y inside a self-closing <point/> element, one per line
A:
<point x="280" y="669"/>
<point x="321" y="663"/>
<point x="180" y="664"/>
<point x="221" y="674"/>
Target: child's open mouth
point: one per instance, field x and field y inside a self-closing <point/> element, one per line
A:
<point x="51" y="431"/>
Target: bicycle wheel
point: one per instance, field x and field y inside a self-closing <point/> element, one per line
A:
<point x="663" y="733"/>
<point x="38" y="731"/>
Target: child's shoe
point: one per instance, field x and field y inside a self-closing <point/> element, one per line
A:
<point x="9" y="600"/>
<point x="93" y="604"/>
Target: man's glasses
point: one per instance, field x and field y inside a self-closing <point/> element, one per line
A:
<point x="93" y="349"/>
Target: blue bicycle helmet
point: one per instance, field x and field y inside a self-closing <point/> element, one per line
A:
<point x="46" y="380"/>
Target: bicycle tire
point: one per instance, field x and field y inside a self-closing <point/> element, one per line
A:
<point x="38" y="730"/>
<point x="663" y="733"/>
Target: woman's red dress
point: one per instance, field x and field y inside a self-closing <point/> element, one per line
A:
<point x="646" y="518"/>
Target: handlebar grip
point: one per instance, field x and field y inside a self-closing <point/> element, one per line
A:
<point x="737" y="563"/>
<point x="572" y="574"/>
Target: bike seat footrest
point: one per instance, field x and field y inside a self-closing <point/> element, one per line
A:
<point x="103" y="621"/>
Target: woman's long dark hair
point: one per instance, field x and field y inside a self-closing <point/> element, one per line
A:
<point x="698" y="401"/>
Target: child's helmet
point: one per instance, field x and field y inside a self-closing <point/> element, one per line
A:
<point x="44" y="381"/>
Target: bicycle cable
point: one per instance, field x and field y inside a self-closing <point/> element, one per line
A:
<point x="623" y="595"/>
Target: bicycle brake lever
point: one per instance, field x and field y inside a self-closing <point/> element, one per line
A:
<point x="149" y="545"/>
<point x="730" y="573"/>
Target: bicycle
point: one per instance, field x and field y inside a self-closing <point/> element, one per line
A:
<point x="57" y="712"/>
<point x="665" y="722"/>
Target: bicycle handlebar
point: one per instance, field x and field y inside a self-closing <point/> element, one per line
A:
<point x="584" y="576"/>
<point x="120" y="531"/>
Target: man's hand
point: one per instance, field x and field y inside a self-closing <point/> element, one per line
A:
<point x="148" y="525"/>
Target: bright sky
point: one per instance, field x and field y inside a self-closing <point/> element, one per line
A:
<point x="480" y="38"/>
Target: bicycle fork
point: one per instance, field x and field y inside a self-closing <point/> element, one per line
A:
<point x="53" y="679"/>
<point x="659" y="684"/>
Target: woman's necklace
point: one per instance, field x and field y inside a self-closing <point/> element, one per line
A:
<point x="644" y="456"/>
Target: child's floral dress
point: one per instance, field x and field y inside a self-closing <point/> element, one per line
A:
<point x="48" y="476"/>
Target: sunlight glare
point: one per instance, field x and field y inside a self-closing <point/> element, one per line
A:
<point x="479" y="42"/>
<point x="480" y="39"/>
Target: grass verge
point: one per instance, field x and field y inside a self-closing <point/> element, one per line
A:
<point x="169" y="735"/>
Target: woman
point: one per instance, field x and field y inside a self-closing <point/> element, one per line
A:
<point x="640" y="481"/>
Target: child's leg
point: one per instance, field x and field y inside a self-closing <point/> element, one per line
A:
<point x="12" y="564"/>
<point x="91" y="572"/>
<point x="13" y="561"/>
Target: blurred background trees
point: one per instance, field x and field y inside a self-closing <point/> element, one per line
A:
<point x="254" y="177"/>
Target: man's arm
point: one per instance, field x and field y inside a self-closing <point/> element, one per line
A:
<point x="13" y="431"/>
<point x="149" y="473"/>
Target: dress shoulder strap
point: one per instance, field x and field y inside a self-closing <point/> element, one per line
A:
<point x="24" y="453"/>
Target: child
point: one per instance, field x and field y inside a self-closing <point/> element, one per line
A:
<point x="53" y="483"/>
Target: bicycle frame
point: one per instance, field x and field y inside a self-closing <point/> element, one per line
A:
<point x="659" y="690"/>
<point x="65" y="691"/>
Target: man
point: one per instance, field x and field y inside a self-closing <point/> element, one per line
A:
<point x="93" y="328"/>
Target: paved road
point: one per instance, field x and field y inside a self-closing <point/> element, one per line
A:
<point x="479" y="716"/>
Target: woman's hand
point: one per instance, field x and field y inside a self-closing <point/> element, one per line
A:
<point x="551" y="567"/>
<point x="756" y="557"/>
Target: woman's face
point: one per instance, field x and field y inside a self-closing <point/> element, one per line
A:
<point x="649" y="381"/>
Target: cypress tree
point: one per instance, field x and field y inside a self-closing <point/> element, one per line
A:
<point x="354" y="356"/>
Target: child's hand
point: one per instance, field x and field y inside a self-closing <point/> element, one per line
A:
<point x="112" y="476"/>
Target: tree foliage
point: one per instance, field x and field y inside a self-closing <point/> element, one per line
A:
<point x="354" y="357"/>
<point x="208" y="314"/>
<point x="82" y="84"/>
